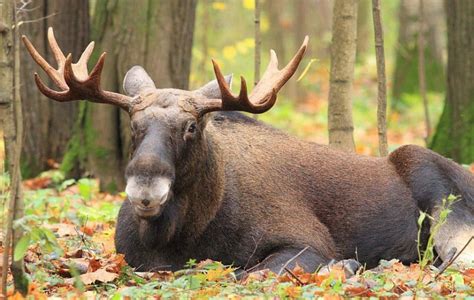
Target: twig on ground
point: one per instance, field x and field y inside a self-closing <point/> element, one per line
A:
<point x="454" y="258"/>
<point x="292" y="259"/>
<point x="294" y="276"/>
<point x="449" y="257"/>
<point x="254" y="251"/>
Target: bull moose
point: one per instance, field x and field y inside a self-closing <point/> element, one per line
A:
<point x="205" y="181"/>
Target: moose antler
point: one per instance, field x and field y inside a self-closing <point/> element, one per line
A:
<point x="263" y="96"/>
<point x="74" y="80"/>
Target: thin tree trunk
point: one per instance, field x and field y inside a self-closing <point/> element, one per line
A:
<point x="421" y="71"/>
<point x="6" y="112"/>
<point x="454" y="135"/>
<point x="155" y="34"/>
<point x="381" y="80"/>
<point x="258" y="47"/>
<point x="258" y="43"/>
<point x="13" y="131"/>
<point x="343" y="49"/>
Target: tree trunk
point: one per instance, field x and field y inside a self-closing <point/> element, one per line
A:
<point x="48" y="124"/>
<point x="455" y="132"/>
<point x="343" y="49"/>
<point x="381" y="81"/>
<point x="405" y="79"/>
<point x="156" y="35"/>
<point x="11" y="114"/>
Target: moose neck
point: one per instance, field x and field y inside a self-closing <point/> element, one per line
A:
<point x="200" y="183"/>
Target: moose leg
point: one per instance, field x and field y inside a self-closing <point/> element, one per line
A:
<point x="307" y="258"/>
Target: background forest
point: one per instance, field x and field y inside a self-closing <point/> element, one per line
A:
<point x="93" y="139"/>
<point x="78" y="150"/>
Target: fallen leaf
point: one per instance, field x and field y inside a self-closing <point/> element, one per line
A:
<point x="94" y="264"/>
<point x="358" y="291"/>
<point x="37" y="183"/>
<point x="63" y="229"/>
<point x="101" y="275"/>
<point x="52" y="163"/>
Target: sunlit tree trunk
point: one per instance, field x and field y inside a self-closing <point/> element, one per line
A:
<point x="155" y="34"/>
<point x="343" y="49"/>
<point x="454" y="135"/>
<point x="48" y="124"/>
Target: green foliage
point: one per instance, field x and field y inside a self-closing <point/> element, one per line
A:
<point x="427" y="256"/>
<point x="41" y="236"/>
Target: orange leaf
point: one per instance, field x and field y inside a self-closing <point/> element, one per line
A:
<point x="37" y="183"/>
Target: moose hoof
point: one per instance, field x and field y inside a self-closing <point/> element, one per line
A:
<point x="350" y="266"/>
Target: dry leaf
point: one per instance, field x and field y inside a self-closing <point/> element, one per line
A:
<point x="63" y="229"/>
<point x="101" y="275"/>
<point x="37" y="183"/>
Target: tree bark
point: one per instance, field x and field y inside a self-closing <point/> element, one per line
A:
<point x="258" y="44"/>
<point x="381" y="80"/>
<point x="48" y="124"/>
<point x="156" y="35"/>
<point x="343" y="49"/>
<point x="421" y="70"/>
<point x="405" y="78"/>
<point x="13" y="133"/>
<point x="455" y="132"/>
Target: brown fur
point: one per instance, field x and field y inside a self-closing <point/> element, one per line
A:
<point x="245" y="193"/>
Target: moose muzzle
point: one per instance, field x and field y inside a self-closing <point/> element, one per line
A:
<point x="148" y="196"/>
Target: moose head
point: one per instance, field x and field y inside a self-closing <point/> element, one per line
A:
<point x="167" y="125"/>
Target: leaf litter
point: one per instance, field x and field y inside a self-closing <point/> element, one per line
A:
<point x="71" y="254"/>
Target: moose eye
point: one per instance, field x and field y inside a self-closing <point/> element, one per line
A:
<point x="192" y="128"/>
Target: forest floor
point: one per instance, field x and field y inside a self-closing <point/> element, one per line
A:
<point x="68" y="251"/>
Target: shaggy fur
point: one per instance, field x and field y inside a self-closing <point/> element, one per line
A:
<point x="249" y="195"/>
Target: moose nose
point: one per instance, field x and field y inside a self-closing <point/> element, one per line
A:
<point x="148" y="193"/>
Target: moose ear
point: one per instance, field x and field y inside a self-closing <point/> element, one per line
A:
<point x="211" y="89"/>
<point x="136" y="80"/>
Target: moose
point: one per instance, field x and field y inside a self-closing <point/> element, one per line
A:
<point x="206" y="181"/>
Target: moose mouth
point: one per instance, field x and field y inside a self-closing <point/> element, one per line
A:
<point x="147" y="212"/>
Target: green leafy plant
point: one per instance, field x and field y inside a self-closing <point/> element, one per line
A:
<point x="427" y="256"/>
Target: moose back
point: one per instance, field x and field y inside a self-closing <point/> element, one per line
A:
<point x="205" y="181"/>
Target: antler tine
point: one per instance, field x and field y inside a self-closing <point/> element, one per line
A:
<point x="263" y="96"/>
<point x="74" y="80"/>
<point x="278" y="78"/>
<point x="62" y="96"/>
<point x="52" y="72"/>
<point x="57" y="52"/>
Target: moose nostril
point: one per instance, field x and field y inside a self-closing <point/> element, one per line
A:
<point x="146" y="202"/>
